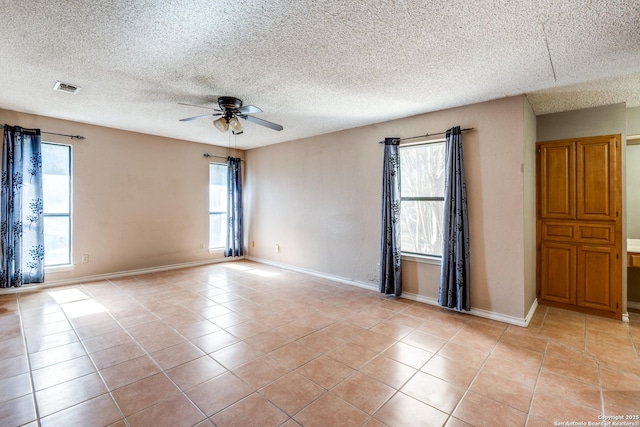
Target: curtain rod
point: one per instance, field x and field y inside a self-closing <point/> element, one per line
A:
<point x="429" y="134"/>
<point x="60" y="134"/>
<point x="207" y="155"/>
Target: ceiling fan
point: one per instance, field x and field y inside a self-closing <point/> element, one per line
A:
<point x="231" y="109"/>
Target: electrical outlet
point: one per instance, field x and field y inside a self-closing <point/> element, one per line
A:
<point x="85" y="258"/>
<point x="253" y="243"/>
<point x="278" y="248"/>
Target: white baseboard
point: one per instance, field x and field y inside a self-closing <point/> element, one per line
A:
<point x="105" y="276"/>
<point x="314" y="273"/>
<point x="630" y="304"/>
<point x="633" y="304"/>
<point x="531" y="312"/>
<point x="414" y="297"/>
<point x="477" y="311"/>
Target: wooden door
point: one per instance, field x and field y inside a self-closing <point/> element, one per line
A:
<point x="596" y="279"/>
<point x="579" y="229"/>
<point x="596" y="180"/>
<point x="558" y="272"/>
<point x="556" y="180"/>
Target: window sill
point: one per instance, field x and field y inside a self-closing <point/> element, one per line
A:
<point x="216" y="251"/>
<point x="59" y="268"/>
<point x="422" y="259"/>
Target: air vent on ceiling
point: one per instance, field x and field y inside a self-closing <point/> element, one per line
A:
<point x="66" y="87"/>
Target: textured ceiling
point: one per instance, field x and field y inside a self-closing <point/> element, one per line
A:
<point x="313" y="66"/>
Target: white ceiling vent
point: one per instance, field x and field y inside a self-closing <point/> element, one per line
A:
<point x="66" y="87"/>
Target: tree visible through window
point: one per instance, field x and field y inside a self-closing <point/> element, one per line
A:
<point x="56" y="189"/>
<point x="422" y="201"/>
<point x="217" y="205"/>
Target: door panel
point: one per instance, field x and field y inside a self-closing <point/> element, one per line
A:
<point x="558" y="272"/>
<point x="556" y="183"/>
<point x="556" y="230"/>
<point x="595" y="183"/>
<point x="596" y="275"/>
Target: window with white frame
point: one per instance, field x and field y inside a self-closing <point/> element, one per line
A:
<point x="217" y="205"/>
<point x="56" y="189"/>
<point x="422" y="199"/>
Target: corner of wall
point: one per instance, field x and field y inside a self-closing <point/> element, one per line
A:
<point x="529" y="194"/>
<point x="633" y="121"/>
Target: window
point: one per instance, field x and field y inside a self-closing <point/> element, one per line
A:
<point x="217" y="205"/>
<point x="56" y="188"/>
<point x="422" y="201"/>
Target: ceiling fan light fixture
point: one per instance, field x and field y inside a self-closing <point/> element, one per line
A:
<point x="235" y="125"/>
<point x="231" y="110"/>
<point x="221" y="124"/>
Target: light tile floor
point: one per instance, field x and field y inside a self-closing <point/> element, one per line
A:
<point x="244" y="344"/>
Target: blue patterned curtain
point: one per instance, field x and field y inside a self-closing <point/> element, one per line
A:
<point x="390" y="256"/>
<point x="21" y="205"/>
<point x="454" y="276"/>
<point x="234" y="208"/>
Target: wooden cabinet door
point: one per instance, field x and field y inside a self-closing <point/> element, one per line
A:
<point x="558" y="272"/>
<point x="596" y="280"/>
<point x="596" y="178"/>
<point x="579" y="230"/>
<point x="556" y="180"/>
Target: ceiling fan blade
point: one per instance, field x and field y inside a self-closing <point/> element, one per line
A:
<point x="204" y="116"/>
<point x="261" y="122"/>
<point x="249" y="109"/>
<point x="199" y="106"/>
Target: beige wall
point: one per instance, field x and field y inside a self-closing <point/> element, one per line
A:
<point x="530" y="252"/>
<point x="633" y="121"/>
<point x="139" y="201"/>
<point x="633" y="191"/>
<point x="633" y="175"/>
<point x="319" y="199"/>
<point x="633" y="199"/>
<point x="607" y="120"/>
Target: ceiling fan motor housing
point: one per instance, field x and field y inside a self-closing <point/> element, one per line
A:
<point x="229" y="103"/>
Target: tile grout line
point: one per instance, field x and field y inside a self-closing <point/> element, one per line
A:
<point x="190" y="307"/>
<point x="403" y="384"/>
<point x="188" y="340"/>
<point x="88" y="354"/>
<point x="81" y="341"/>
<point x="162" y="370"/>
<point x="633" y="342"/>
<point x="207" y="354"/>
<point x="26" y="348"/>
<point x="370" y="416"/>
<point x="466" y="392"/>
<point x="584" y="334"/>
<point x="535" y="387"/>
<point x="449" y="416"/>
<point x="418" y="370"/>
<point x="600" y="387"/>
